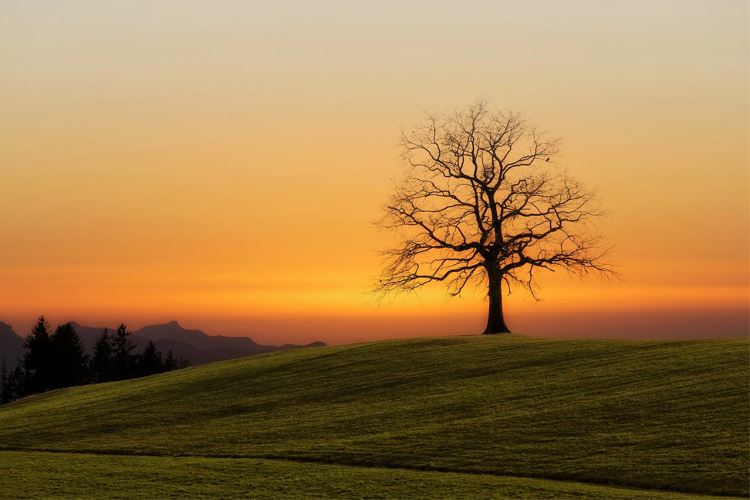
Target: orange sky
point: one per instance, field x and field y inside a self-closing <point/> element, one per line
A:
<point x="220" y="163"/>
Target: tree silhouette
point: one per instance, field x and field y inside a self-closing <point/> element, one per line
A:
<point x="150" y="362"/>
<point x="69" y="361"/>
<point x="123" y="346"/>
<point x="170" y="363"/>
<point x="59" y="360"/>
<point x="37" y="360"/>
<point x="5" y="391"/>
<point x="483" y="202"/>
<point x="102" y="366"/>
<point x="12" y="386"/>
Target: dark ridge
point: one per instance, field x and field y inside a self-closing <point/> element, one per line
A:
<point x="194" y="345"/>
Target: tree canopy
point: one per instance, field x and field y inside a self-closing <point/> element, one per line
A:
<point x="484" y="201"/>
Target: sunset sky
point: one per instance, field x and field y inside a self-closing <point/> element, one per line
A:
<point x="221" y="163"/>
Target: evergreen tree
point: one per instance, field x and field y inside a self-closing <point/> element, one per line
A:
<point x="149" y="362"/>
<point x="15" y="384"/>
<point x="170" y="363"/>
<point x="102" y="362"/>
<point x="37" y="359"/>
<point x="125" y="362"/>
<point x="69" y="360"/>
<point x="5" y="395"/>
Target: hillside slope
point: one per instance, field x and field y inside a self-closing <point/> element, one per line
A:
<point x="651" y="414"/>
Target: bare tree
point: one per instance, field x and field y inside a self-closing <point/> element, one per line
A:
<point x="483" y="202"/>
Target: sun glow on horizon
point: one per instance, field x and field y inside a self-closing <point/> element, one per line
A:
<point x="226" y="160"/>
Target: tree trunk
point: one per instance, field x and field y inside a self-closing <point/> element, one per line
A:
<point x="495" y="319"/>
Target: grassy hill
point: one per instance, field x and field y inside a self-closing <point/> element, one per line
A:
<point x="646" y="414"/>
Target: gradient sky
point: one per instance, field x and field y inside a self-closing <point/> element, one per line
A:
<point x="220" y="163"/>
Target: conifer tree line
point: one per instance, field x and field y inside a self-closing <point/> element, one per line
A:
<point x="54" y="360"/>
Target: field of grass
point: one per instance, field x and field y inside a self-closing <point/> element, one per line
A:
<point x="40" y="474"/>
<point x="667" y="415"/>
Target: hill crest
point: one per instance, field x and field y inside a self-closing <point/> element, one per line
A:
<point x="649" y="414"/>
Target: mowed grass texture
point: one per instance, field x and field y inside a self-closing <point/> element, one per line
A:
<point x="648" y="414"/>
<point x="62" y="475"/>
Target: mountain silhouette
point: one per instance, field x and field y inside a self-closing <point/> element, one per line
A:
<point x="203" y="341"/>
<point x="194" y="345"/>
<point x="11" y="346"/>
<point x="184" y="350"/>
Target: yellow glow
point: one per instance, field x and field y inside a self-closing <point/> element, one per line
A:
<point x="225" y="159"/>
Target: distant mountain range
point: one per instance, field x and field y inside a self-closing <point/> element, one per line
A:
<point x="11" y="345"/>
<point x="195" y="345"/>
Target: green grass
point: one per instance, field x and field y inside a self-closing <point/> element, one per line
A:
<point x="647" y="414"/>
<point x="39" y="474"/>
